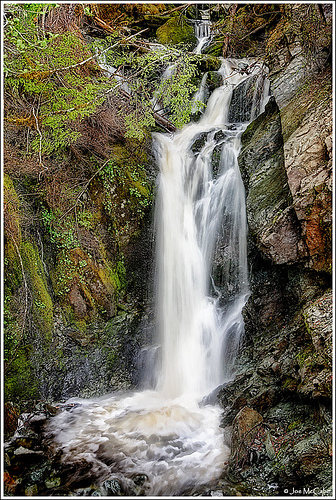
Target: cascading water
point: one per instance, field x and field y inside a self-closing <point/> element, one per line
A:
<point x="202" y="33"/>
<point x="165" y="434"/>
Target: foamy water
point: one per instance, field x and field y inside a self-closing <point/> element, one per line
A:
<point x="177" y="444"/>
<point x="166" y="434"/>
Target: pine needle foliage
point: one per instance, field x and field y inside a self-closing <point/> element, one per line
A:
<point x="54" y="79"/>
<point x="44" y="71"/>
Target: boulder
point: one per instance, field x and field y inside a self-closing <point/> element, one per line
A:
<point x="273" y="224"/>
<point x="246" y="421"/>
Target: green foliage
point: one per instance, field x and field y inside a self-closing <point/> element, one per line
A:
<point x="143" y="75"/>
<point x="46" y="70"/>
<point x="62" y="231"/>
<point x="64" y="273"/>
<point x="59" y="82"/>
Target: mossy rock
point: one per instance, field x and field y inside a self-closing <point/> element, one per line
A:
<point x="12" y="269"/>
<point x="214" y="80"/>
<point x="85" y="284"/>
<point x="20" y="382"/>
<point x="176" y="31"/>
<point x="42" y="309"/>
<point x="208" y="63"/>
<point x="214" y="49"/>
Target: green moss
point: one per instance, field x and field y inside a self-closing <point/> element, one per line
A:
<point x="290" y="384"/>
<point x="294" y="425"/>
<point x="206" y="63"/>
<point x="308" y="96"/>
<point x="306" y="357"/>
<point x="42" y="309"/>
<point x="175" y="31"/>
<point x="20" y="382"/>
<point x="215" y="49"/>
<point x="12" y="269"/>
<point x="127" y="193"/>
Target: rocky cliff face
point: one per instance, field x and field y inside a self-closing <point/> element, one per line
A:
<point x="283" y="386"/>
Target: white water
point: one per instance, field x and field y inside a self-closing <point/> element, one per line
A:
<point x="191" y="205"/>
<point x="202" y="33"/>
<point x="165" y="433"/>
<point x="198" y="97"/>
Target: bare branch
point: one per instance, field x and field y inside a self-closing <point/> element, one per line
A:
<point x="184" y="6"/>
<point x="83" y="191"/>
<point x="41" y="137"/>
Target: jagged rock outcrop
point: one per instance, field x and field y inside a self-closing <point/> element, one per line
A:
<point x="304" y="99"/>
<point x="284" y="370"/>
<point x="273" y="225"/>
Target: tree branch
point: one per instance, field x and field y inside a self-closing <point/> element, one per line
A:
<point x="83" y="191"/>
<point x="72" y="66"/>
<point x="173" y="10"/>
<point x="40" y="148"/>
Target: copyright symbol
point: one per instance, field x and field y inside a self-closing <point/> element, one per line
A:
<point x="286" y="491"/>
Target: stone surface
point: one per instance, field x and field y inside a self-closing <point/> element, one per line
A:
<point x="272" y="222"/>
<point x="308" y="160"/>
<point x="245" y="422"/>
<point x="303" y="94"/>
<point x="11" y="417"/>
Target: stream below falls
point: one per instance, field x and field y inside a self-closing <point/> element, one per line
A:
<point x="166" y="434"/>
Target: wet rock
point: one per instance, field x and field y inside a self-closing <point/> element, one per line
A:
<point x="112" y="487"/>
<point x="86" y="492"/>
<point x="286" y="83"/>
<point x="243" y="425"/>
<point x="303" y="94"/>
<point x="244" y="98"/>
<point x="77" y="302"/>
<point x="11" y="417"/>
<point x="28" y="454"/>
<point x="140" y="479"/>
<point x="273" y="225"/>
<point x="214" y="80"/>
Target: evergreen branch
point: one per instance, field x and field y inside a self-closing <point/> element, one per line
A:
<point x="100" y="53"/>
<point x="81" y="63"/>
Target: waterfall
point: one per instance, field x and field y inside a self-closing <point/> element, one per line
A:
<point x="198" y="97"/>
<point x="202" y="33"/>
<point x="165" y="434"/>
<point x="199" y="340"/>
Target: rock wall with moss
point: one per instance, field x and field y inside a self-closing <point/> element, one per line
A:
<point x="76" y="278"/>
<point x="278" y="407"/>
